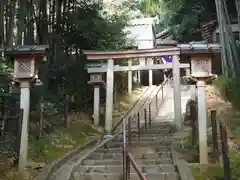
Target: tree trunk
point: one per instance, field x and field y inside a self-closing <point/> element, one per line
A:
<point x="10" y="24"/>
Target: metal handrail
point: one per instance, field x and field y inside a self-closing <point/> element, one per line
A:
<point x="125" y="153"/>
<point x="160" y="89"/>
<point x="128" y="111"/>
<point x="127" y="157"/>
<point x="136" y="168"/>
<point x="219" y="127"/>
<point x="147" y="105"/>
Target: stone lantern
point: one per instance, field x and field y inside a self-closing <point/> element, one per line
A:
<point x="26" y="60"/>
<point x="201" y="71"/>
<point x="201" y="64"/>
<point x="96" y="79"/>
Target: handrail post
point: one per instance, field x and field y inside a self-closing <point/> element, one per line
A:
<point x="150" y="116"/>
<point x="156" y="103"/>
<point x="129" y="133"/>
<point x="226" y="163"/>
<point x="193" y="112"/>
<point x="128" y="167"/>
<point x="124" y="152"/>
<point x="138" y="124"/>
<point x="214" y="135"/>
<point x="145" y="119"/>
<point x="194" y="132"/>
<point x="162" y="91"/>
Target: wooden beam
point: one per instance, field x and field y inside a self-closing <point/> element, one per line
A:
<point x="137" y="67"/>
<point x="187" y="49"/>
<point x="138" y="53"/>
<point x="166" y="43"/>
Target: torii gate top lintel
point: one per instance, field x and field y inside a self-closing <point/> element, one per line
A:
<point x="154" y="52"/>
<point x="123" y="54"/>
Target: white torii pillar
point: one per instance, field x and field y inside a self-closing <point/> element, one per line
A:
<point x="96" y="105"/>
<point x="188" y="73"/>
<point x="177" y="91"/>
<point x="109" y="96"/>
<point x="150" y="72"/>
<point x="129" y="78"/>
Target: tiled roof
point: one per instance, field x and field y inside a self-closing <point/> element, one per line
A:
<point x="141" y="21"/>
<point x="163" y="34"/>
<point x="207" y="30"/>
<point x="141" y="30"/>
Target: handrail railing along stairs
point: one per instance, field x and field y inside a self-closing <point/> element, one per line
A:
<point x="127" y="137"/>
<point x="127" y="157"/>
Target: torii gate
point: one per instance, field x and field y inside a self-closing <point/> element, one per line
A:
<point x="110" y="56"/>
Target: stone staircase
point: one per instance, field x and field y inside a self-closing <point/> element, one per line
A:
<point x="149" y="145"/>
<point x="151" y="150"/>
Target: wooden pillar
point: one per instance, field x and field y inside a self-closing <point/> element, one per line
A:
<point x="142" y="62"/>
<point x="109" y="96"/>
<point x="150" y="72"/>
<point x="129" y="78"/>
<point x="177" y="91"/>
<point x="96" y="105"/>
<point x="139" y="76"/>
<point x="202" y="122"/>
<point x="187" y="71"/>
<point x="115" y="95"/>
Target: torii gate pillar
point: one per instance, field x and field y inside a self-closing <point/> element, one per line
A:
<point x="109" y="96"/>
<point x="129" y="78"/>
<point x="150" y="72"/>
<point x="177" y="91"/>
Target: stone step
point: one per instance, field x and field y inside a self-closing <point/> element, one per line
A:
<point x="148" y="138"/>
<point x="152" y="125"/>
<point x="157" y="148"/>
<point x="114" y="156"/>
<point x="119" y="162"/>
<point x="119" y="176"/>
<point x="164" y="132"/>
<point x="153" y="122"/>
<point x="119" y="169"/>
<point x="150" y="130"/>
<point x="149" y="135"/>
<point x="140" y="143"/>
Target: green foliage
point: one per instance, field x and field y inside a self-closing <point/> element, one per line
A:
<point x="229" y="89"/>
<point x="51" y="147"/>
<point x="212" y="173"/>
<point x="184" y="17"/>
<point x="235" y="164"/>
<point x="5" y="77"/>
<point x="217" y="173"/>
<point x="87" y="29"/>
